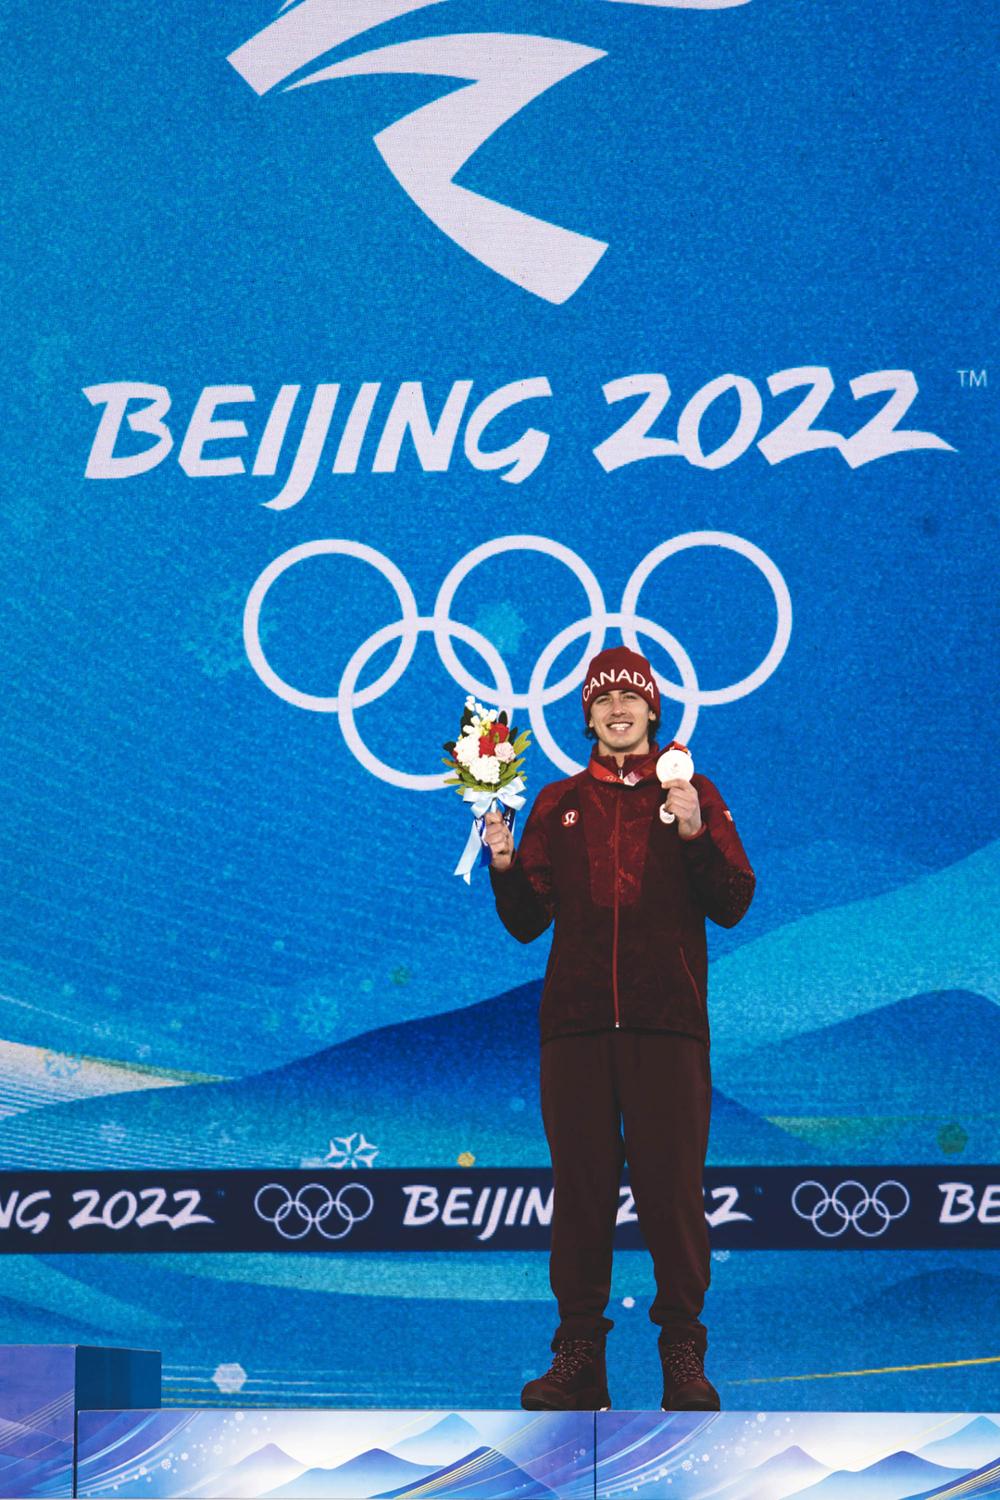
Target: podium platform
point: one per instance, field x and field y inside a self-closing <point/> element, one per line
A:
<point x="42" y="1388"/>
<point x="77" y="1420"/>
<point x="493" y="1455"/>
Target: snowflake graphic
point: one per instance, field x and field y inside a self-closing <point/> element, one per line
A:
<point x="62" y="1064"/>
<point x="113" y="1132"/>
<point x="350" y="1151"/>
<point x="316" y="1012"/>
<point x="218" y="1137"/>
<point x="501" y="624"/>
<point x="230" y="1378"/>
<point x="213" y="633"/>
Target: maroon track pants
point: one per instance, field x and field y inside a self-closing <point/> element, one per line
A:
<point x="643" y="1097"/>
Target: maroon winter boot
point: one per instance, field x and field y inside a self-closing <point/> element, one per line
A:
<point x="685" y="1387"/>
<point x="577" y="1380"/>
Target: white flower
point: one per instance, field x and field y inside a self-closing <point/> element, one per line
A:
<point x="467" y="751"/>
<point x="504" y="752"/>
<point x="486" y="768"/>
<point x="493" y="714"/>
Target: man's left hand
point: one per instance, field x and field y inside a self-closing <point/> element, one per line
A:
<point x="682" y="801"/>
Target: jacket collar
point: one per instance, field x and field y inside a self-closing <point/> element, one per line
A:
<point x="634" y="768"/>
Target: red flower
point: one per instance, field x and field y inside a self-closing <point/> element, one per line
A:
<point x="496" y="734"/>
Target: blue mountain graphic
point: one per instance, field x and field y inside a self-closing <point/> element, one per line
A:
<point x="936" y="932"/>
<point x="927" y="1052"/>
<point x="776" y="1475"/>
<point x="900" y="1474"/>
<point x="982" y="1481"/>
<point x="493" y="1475"/>
<point x="975" y="1444"/>
<point x="422" y="1091"/>
<point x="447" y="1440"/>
<point x="269" y="1465"/>
<point x="953" y="1300"/>
<point x="372" y="1473"/>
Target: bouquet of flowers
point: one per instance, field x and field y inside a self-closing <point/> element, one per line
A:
<point x="485" y="762"/>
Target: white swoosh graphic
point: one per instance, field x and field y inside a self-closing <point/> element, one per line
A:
<point x="427" y="148"/>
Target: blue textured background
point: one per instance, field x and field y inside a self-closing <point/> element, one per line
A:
<point x="201" y="884"/>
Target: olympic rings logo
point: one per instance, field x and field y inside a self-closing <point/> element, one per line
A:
<point x="312" y="1206"/>
<point x="831" y="1214"/>
<point x="540" y="694"/>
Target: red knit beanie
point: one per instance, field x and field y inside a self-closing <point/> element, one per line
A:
<point x="620" y="668"/>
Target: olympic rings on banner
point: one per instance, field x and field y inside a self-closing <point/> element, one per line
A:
<point x="409" y="779"/>
<point x="251" y="622"/>
<point x="779" y="589"/>
<point x="311" y="1206"/>
<point x="539" y="695"/>
<point x="847" y="1213"/>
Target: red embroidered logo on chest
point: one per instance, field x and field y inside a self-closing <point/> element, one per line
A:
<point x="570" y="817"/>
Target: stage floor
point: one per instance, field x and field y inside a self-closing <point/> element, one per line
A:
<point x="492" y="1455"/>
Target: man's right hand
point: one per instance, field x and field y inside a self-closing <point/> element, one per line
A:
<point x="500" y="840"/>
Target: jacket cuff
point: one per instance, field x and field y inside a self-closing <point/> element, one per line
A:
<point x="511" y="883"/>
<point x="501" y="873"/>
<point x="701" y="850"/>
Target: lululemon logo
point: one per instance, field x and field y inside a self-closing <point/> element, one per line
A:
<point x="569" y="818"/>
<point x="424" y="150"/>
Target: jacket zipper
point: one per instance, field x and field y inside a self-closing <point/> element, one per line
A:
<point x="614" y="945"/>
<point x="694" y="986"/>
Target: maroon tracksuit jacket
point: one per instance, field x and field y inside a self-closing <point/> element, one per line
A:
<point x="629" y="896"/>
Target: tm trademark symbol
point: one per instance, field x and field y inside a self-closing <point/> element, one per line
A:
<point x="969" y="378"/>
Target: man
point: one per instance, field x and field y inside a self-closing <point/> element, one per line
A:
<point x="625" y="1041"/>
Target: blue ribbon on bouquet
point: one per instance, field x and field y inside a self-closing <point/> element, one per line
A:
<point x="509" y="797"/>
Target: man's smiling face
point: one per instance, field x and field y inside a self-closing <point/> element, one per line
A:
<point x="621" y="722"/>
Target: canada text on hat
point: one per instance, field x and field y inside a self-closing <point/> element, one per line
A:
<point x="602" y="682"/>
